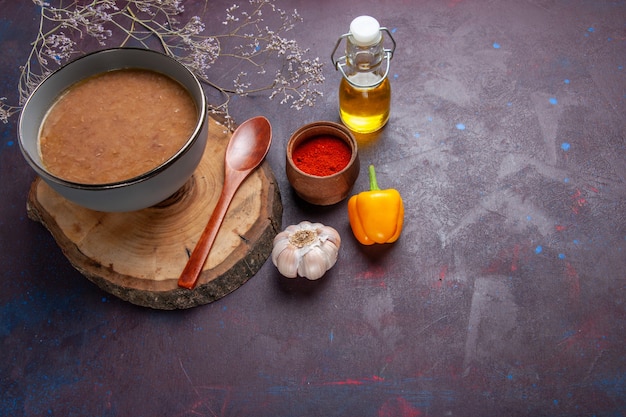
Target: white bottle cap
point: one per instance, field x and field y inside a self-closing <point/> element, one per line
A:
<point x="365" y="31"/>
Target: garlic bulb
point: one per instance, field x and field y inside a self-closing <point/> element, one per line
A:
<point x="306" y="249"/>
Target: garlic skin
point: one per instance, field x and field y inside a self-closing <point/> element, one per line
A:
<point x="306" y="249"/>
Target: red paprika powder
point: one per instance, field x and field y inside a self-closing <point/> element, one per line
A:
<point x="322" y="155"/>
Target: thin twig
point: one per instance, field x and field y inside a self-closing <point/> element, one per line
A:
<point x="143" y="21"/>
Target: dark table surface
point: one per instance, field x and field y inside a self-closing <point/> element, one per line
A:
<point x="505" y="294"/>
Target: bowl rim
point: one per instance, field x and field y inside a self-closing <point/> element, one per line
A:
<point x="332" y="126"/>
<point x="193" y="137"/>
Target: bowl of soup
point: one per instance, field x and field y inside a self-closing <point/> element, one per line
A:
<point x="116" y="130"/>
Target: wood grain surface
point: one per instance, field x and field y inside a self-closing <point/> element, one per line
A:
<point x="138" y="256"/>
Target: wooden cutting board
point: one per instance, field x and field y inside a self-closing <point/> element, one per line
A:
<point x="138" y="256"/>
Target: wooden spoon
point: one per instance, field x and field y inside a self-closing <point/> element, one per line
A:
<point x="246" y="150"/>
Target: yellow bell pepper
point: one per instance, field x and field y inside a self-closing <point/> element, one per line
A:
<point x="376" y="216"/>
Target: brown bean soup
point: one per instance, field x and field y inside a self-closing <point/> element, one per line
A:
<point x="115" y="126"/>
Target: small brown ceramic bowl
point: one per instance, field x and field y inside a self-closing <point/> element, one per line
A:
<point x="325" y="188"/>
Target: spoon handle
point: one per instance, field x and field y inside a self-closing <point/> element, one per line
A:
<point x="190" y="274"/>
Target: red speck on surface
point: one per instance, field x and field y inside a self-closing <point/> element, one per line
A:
<point x="398" y="407"/>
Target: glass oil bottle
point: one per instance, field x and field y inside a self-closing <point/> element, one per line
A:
<point x="364" y="90"/>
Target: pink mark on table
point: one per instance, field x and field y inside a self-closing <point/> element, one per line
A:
<point x="591" y="333"/>
<point x="515" y="259"/>
<point x="443" y="272"/>
<point x="374" y="275"/>
<point x="578" y="202"/>
<point x="573" y="281"/>
<point x="507" y="260"/>
<point x="351" y="381"/>
<point x="398" y="407"/>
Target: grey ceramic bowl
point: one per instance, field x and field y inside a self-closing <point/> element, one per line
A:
<point x="136" y="193"/>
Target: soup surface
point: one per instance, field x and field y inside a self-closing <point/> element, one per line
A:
<point x="115" y="126"/>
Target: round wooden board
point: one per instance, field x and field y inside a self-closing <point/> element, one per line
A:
<point x="138" y="256"/>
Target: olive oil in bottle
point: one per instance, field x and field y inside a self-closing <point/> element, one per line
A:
<point x="364" y="118"/>
<point x="364" y="90"/>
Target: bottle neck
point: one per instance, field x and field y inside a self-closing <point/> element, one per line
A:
<point x="364" y="59"/>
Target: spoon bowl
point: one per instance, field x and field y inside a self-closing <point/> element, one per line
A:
<point x="246" y="150"/>
<point x="249" y="144"/>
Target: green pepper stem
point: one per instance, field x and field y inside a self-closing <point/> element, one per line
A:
<point x="373" y="182"/>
